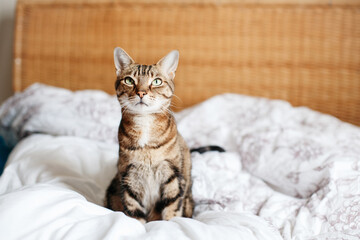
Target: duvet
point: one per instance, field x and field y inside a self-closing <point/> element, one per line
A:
<point x="287" y="173"/>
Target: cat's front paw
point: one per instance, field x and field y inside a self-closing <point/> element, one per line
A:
<point x="142" y="220"/>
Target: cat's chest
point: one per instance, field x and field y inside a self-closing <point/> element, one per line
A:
<point x="144" y="125"/>
<point x="151" y="179"/>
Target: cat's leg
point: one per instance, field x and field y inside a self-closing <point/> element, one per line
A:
<point x="132" y="207"/>
<point x="121" y="197"/>
<point x="188" y="204"/>
<point x="132" y="195"/>
<point x="171" y="202"/>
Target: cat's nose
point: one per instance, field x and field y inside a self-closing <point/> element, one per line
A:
<point x="141" y="94"/>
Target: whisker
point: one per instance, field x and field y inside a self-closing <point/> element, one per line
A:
<point x="175" y="106"/>
<point x="125" y="106"/>
<point x="177" y="97"/>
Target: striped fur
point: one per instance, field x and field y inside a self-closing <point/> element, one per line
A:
<point x="153" y="181"/>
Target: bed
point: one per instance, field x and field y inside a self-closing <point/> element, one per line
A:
<point x="276" y="84"/>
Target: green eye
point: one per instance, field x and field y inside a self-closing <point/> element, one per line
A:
<point x="156" y="82"/>
<point x="129" y="81"/>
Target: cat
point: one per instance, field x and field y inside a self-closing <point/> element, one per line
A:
<point x="153" y="181"/>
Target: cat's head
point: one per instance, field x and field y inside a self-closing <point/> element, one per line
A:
<point x="143" y="89"/>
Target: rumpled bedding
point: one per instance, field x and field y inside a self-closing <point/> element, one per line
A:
<point x="287" y="173"/>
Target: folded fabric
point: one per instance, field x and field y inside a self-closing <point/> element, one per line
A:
<point x="59" y="112"/>
<point x="286" y="171"/>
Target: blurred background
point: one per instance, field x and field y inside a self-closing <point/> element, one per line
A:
<point x="7" y="15"/>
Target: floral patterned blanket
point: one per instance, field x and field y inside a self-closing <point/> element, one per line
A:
<point x="287" y="173"/>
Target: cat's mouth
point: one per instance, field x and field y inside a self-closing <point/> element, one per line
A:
<point x="141" y="103"/>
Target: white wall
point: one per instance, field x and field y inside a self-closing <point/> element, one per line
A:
<point x="7" y="12"/>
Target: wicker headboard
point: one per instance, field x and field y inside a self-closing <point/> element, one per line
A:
<point x="307" y="54"/>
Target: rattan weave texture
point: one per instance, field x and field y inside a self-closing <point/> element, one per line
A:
<point x="306" y="54"/>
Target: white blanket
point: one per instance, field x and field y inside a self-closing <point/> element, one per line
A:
<point x="288" y="173"/>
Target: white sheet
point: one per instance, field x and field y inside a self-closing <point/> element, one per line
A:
<point x="53" y="188"/>
<point x="288" y="173"/>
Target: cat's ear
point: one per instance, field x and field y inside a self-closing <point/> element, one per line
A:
<point x="169" y="63"/>
<point x="121" y="59"/>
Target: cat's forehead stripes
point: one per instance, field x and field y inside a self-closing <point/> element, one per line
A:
<point x="144" y="70"/>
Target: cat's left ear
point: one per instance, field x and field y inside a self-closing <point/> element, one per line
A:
<point x="169" y="63"/>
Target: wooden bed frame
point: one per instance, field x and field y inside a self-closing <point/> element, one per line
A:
<point x="307" y="54"/>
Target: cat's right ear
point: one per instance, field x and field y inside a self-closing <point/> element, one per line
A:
<point x="121" y="59"/>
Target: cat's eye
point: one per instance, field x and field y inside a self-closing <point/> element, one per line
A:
<point x="156" y="82"/>
<point x="129" y="81"/>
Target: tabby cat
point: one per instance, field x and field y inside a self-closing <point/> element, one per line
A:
<point x="153" y="181"/>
